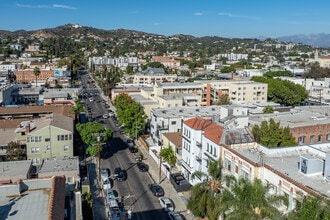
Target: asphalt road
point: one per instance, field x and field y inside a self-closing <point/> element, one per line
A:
<point x="135" y="190"/>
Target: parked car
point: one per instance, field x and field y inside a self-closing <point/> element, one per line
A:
<point x="137" y="157"/>
<point x="105" y="173"/>
<point x="174" y="216"/>
<point x="142" y="166"/>
<point x="129" y="142"/>
<point x="156" y="190"/>
<point x="105" y="116"/>
<point x="166" y="204"/>
<point x="110" y="194"/>
<point x="133" y="149"/>
<point x="106" y="184"/>
<point x="120" y="174"/>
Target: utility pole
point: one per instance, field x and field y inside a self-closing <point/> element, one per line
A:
<point x="98" y="135"/>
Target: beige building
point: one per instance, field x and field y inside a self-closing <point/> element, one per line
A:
<point x="48" y="137"/>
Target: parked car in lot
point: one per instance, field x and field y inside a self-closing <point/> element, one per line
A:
<point x="174" y="216"/>
<point x="142" y="166"/>
<point x="156" y="190"/>
<point x="166" y="204"/>
<point x="120" y="174"/>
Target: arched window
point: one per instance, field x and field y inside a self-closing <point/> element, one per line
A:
<point x="312" y="139"/>
<point x="319" y="138"/>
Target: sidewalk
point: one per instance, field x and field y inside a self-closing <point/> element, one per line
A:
<point x="177" y="198"/>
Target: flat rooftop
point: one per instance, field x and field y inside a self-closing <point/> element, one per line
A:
<point x="286" y="162"/>
<point x="297" y="117"/>
<point x="54" y="165"/>
<point x="14" y="170"/>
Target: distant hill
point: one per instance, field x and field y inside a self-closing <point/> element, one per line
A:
<point x="316" y="40"/>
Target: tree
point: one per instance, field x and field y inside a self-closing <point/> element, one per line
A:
<point x="271" y="135"/>
<point x="130" y="114"/>
<point x="243" y="199"/>
<point x="77" y="108"/>
<point x="36" y="72"/>
<point x="224" y="99"/>
<point x="14" y="151"/>
<point x="168" y="155"/>
<point x="311" y="208"/>
<point x="87" y="132"/>
<point x="283" y="92"/>
<point x="205" y="196"/>
<point x="268" y="109"/>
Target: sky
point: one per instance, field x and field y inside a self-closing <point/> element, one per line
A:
<point x="223" y="18"/>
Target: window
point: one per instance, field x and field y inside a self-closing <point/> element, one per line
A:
<point x="35" y="150"/>
<point x="328" y="137"/>
<point x="28" y="139"/>
<point x="207" y="147"/>
<point x="312" y="139"/>
<point x="173" y="122"/>
<point x="66" y="148"/>
<point x="62" y="137"/>
<point x="319" y="139"/>
<point x="215" y="152"/>
<point x="47" y="139"/>
<point x="66" y="137"/>
<point x="301" y="139"/>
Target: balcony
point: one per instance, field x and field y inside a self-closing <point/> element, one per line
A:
<point x="161" y="128"/>
<point x="199" y="159"/>
<point x="198" y="144"/>
<point x="185" y="166"/>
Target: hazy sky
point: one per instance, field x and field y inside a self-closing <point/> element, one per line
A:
<point x="224" y="18"/>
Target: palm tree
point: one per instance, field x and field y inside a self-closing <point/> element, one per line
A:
<point x="205" y="200"/>
<point x="36" y="73"/>
<point x="168" y="155"/>
<point x="311" y="208"/>
<point x="77" y="108"/>
<point x="250" y="200"/>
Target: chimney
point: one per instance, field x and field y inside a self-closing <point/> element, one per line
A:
<point x="27" y="128"/>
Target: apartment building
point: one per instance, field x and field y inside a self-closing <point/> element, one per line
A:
<point x="291" y="171"/>
<point x="152" y="75"/>
<point x="48" y="137"/>
<point x="308" y="124"/>
<point x="163" y="120"/>
<point x="166" y="61"/>
<point x="27" y="75"/>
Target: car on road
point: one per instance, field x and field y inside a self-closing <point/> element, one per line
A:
<point x="120" y="174"/>
<point x="156" y="190"/>
<point x="105" y="116"/>
<point x="133" y="149"/>
<point x="174" y="216"/>
<point x="142" y="166"/>
<point x="166" y="204"/>
<point x="105" y="173"/>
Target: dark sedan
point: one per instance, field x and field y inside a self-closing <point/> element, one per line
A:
<point x="156" y="190"/>
<point x="120" y="174"/>
<point x="142" y="166"/>
<point x="133" y="149"/>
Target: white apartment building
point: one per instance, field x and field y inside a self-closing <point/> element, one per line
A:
<point x="121" y="62"/>
<point x="291" y="171"/>
<point x="163" y="120"/>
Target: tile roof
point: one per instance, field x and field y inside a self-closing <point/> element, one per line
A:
<point x="38" y="109"/>
<point x="175" y="138"/>
<point x="198" y="123"/>
<point x="214" y="133"/>
<point x="57" y="198"/>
